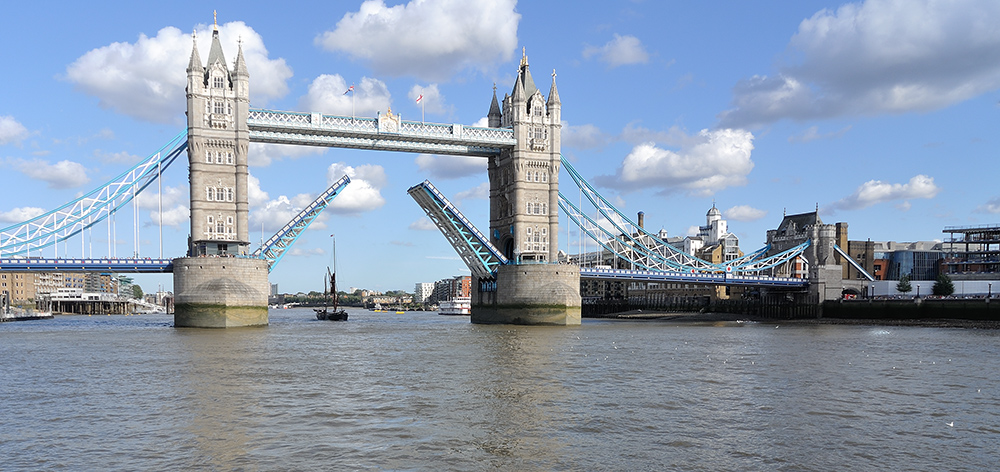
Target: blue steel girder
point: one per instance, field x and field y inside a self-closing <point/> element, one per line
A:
<point x="854" y="263"/>
<point x="274" y="248"/>
<point x="773" y="261"/>
<point x="74" y="217"/>
<point x="482" y="258"/>
<point x="635" y="234"/>
<point x="690" y="277"/>
<point x="315" y="129"/>
<point x="636" y="254"/>
<point x="35" y="264"/>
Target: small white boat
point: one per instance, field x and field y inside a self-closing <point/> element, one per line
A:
<point x="458" y="306"/>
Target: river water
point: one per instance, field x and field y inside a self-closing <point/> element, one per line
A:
<point x="420" y="391"/>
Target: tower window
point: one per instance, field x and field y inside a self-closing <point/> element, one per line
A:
<point x="210" y="194"/>
<point x="217" y="82"/>
<point x="208" y="157"/>
<point x="229" y="158"/>
<point x="220" y="107"/>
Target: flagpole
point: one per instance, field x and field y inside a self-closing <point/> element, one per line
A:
<point x="352" y="101"/>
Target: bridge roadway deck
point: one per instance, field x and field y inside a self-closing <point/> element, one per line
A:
<point x="21" y="264"/>
<point x="691" y="277"/>
<point x="316" y="129"/>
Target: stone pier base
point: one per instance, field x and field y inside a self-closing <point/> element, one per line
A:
<point x="531" y="294"/>
<point x="220" y="292"/>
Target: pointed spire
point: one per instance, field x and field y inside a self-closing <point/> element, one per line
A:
<point x="241" y="65"/>
<point x="215" y="53"/>
<point x="195" y="62"/>
<point x="524" y="77"/>
<point x="495" y="115"/>
<point x="553" y="92"/>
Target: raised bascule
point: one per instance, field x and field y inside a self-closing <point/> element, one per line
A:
<point x="221" y="283"/>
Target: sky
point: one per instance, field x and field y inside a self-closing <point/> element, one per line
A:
<point x="878" y="113"/>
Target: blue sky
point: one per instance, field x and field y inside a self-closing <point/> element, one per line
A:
<point x="880" y="113"/>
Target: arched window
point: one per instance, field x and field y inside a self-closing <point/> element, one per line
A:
<point x="210" y="194"/>
<point x="208" y="157"/>
<point x="545" y="176"/>
<point x="229" y="158"/>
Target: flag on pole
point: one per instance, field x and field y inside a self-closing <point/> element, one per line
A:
<point x="349" y="89"/>
<point x="421" y="97"/>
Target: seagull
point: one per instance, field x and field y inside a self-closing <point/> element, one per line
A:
<point x="951" y="425"/>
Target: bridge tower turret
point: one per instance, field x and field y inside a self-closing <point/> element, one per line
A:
<point x="212" y="289"/>
<point x="524" y="213"/>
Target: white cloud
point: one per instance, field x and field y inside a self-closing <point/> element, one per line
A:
<point x="62" y="174"/>
<point x="708" y="162"/>
<point x="262" y="154"/>
<point x="429" y="39"/>
<point x="179" y="216"/>
<point x="18" y="215"/>
<point x="585" y="136"/>
<point x="880" y="56"/>
<point x="364" y="193"/>
<point x="423" y="224"/>
<point x="326" y="95"/>
<point x="172" y="196"/>
<point x="255" y="196"/>
<point x="621" y="50"/>
<point x="450" y="167"/>
<point x="11" y="131"/>
<point x="432" y="100"/>
<point x="479" y="192"/>
<point x="274" y="214"/>
<point x="482" y="122"/>
<point x="876" y="191"/>
<point x="744" y="213"/>
<point x="992" y="206"/>
<point x="146" y="79"/>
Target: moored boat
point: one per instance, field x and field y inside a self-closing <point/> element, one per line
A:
<point x="326" y="313"/>
<point x="458" y="306"/>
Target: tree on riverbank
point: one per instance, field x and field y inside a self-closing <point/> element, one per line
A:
<point x="943" y="286"/>
<point x="904" y="284"/>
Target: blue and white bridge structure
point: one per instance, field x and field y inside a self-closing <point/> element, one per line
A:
<point x="221" y="282"/>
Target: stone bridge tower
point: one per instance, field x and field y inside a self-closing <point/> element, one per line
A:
<point x="524" y="213"/>
<point x="216" y="285"/>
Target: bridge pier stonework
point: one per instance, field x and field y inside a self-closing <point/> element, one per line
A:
<point x="524" y="215"/>
<point x="217" y="285"/>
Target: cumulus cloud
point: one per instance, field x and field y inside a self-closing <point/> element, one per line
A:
<point x="62" y="174"/>
<point x="256" y="197"/>
<point x="146" y="79"/>
<point x="18" y="215"/>
<point x="274" y="214"/>
<point x="707" y="162"/>
<point x="876" y="191"/>
<point x="172" y="196"/>
<point x="585" y="136"/>
<point x="179" y="216"/>
<point x="11" y="131"/>
<point x="744" y="213"/>
<point x="423" y="224"/>
<point x="326" y="95"/>
<point x="621" y="50"/>
<point x="880" y="56"/>
<point x="428" y="39"/>
<point x="262" y="154"/>
<point x="992" y="206"/>
<point x="450" y="167"/>
<point x="430" y="98"/>
<point x="364" y="193"/>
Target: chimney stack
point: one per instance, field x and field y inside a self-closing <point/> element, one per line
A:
<point x="641" y="214"/>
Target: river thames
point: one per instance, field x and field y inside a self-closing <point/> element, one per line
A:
<point x="419" y="391"/>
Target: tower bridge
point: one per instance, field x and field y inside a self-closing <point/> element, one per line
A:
<point x="220" y="282"/>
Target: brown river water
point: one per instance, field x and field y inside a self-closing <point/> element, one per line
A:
<point x="420" y="391"/>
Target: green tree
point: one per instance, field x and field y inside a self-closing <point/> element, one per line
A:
<point x="136" y="292"/>
<point x="904" y="284"/>
<point x="943" y="286"/>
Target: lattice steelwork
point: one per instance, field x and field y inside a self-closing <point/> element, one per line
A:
<point x="23" y="264"/>
<point x="475" y="249"/>
<point x="315" y="129"/>
<point x="86" y="211"/>
<point x="631" y="232"/>
<point x="274" y="248"/>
